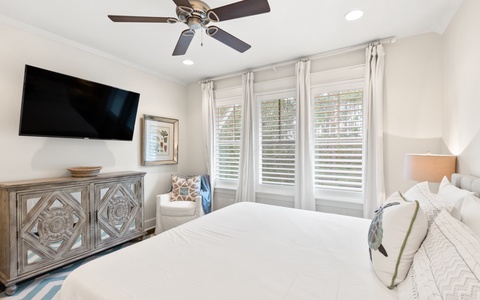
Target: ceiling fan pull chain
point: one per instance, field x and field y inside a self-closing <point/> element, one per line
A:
<point x="201" y="43"/>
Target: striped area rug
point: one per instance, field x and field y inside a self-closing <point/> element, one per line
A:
<point x="47" y="286"/>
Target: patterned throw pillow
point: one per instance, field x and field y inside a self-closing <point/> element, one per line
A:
<point x="185" y="189"/>
<point x="396" y="232"/>
<point x="447" y="264"/>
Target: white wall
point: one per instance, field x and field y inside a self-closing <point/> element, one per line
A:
<point x="195" y="151"/>
<point x="461" y="127"/>
<point x="413" y="104"/>
<point x="36" y="157"/>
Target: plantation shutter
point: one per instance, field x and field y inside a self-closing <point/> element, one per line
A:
<point x="277" y="141"/>
<point x="339" y="140"/>
<point x="227" y="135"/>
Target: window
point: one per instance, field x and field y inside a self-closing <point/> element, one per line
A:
<point x="277" y="141"/>
<point x="337" y="125"/>
<point x="227" y="136"/>
<point x="339" y="139"/>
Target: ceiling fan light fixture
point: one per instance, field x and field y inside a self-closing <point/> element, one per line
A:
<point x="188" y="62"/>
<point x="354" y="15"/>
<point x="194" y="23"/>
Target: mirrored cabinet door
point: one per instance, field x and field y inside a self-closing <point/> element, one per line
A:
<point x="118" y="213"/>
<point x="53" y="225"/>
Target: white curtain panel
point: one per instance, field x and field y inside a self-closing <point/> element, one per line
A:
<point x="304" y="146"/>
<point x="374" y="184"/>
<point x="246" y="171"/>
<point x="208" y="111"/>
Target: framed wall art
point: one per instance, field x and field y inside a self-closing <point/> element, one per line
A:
<point x="159" y="141"/>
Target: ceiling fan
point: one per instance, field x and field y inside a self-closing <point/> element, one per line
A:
<point x="197" y="14"/>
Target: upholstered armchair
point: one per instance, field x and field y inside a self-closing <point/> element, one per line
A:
<point x="173" y="213"/>
<point x="188" y="200"/>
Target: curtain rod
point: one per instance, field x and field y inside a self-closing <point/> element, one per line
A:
<point x="390" y="40"/>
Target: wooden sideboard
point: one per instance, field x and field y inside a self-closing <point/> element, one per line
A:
<point x="47" y="223"/>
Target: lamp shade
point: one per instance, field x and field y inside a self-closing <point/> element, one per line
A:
<point x="429" y="167"/>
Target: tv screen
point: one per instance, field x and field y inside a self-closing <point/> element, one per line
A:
<point x="58" y="105"/>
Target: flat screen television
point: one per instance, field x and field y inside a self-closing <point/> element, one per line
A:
<point x="59" y="105"/>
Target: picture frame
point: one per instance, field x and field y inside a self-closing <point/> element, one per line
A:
<point x="159" y="141"/>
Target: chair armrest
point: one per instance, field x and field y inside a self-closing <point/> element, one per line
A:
<point x="163" y="198"/>
<point x="199" y="206"/>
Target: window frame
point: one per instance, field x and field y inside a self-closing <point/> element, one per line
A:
<point x="265" y="187"/>
<point x="235" y="100"/>
<point x="340" y="195"/>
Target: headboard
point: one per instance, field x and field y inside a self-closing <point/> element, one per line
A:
<point x="466" y="182"/>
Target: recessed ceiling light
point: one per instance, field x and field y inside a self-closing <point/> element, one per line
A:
<point x="188" y="62"/>
<point x="354" y="15"/>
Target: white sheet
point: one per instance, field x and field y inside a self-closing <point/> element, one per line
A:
<point x="244" y="251"/>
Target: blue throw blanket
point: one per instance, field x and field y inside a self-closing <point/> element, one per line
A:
<point x="205" y="193"/>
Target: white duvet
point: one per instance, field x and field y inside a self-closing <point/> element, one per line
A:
<point x="244" y="251"/>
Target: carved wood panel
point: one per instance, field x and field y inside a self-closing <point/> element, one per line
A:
<point x="119" y="210"/>
<point x="53" y="226"/>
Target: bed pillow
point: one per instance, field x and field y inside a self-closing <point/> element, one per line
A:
<point x="430" y="203"/>
<point x="470" y="212"/>
<point x="396" y="232"/>
<point x="452" y="194"/>
<point x="185" y="189"/>
<point x="447" y="264"/>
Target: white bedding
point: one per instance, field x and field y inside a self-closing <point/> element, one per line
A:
<point x="244" y="251"/>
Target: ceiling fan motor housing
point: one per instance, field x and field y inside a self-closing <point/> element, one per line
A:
<point x="196" y="16"/>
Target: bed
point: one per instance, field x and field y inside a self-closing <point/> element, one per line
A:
<point x="245" y="251"/>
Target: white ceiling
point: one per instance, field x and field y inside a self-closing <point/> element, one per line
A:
<point x="293" y="29"/>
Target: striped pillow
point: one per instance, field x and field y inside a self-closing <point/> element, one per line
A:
<point x="430" y="203"/>
<point x="447" y="265"/>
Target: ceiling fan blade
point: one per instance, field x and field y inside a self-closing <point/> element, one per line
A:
<point x="238" y="10"/>
<point x="228" y="39"/>
<point x="182" y="3"/>
<point x="139" y="19"/>
<point x="183" y="42"/>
